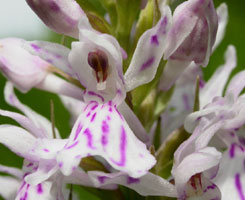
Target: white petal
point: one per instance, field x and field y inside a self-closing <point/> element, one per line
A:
<point x="215" y="86"/>
<point x="55" y="54"/>
<point x="38" y="121"/>
<point x="17" y="140"/>
<point x="9" y="187"/>
<point x="147" y="185"/>
<point x="102" y="130"/>
<point x="148" y="53"/>
<point x="19" y="66"/>
<point x="11" y="171"/>
<point x="222" y="12"/>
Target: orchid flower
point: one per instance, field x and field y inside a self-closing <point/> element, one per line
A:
<point x="40" y="163"/>
<point x="194" y="154"/>
<point x="101" y="129"/>
<point x="190" y="38"/>
<point x="27" y="71"/>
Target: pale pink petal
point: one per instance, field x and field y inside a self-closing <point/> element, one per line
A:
<point x="215" y="85"/>
<point x="102" y="130"/>
<point x="9" y="187"/>
<point x="222" y="12"/>
<point x="19" y="66"/>
<point x="17" y="140"/>
<point x="148" y="53"/>
<point x="147" y="185"/>
<point x="62" y="16"/>
<point x="11" y="171"/>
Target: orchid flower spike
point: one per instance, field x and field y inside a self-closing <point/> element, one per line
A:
<point x="102" y="128"/>
<point x="40" y="160"/>
<point x="190" y="38"/>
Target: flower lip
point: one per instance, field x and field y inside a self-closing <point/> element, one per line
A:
<point x="98" y="60"/>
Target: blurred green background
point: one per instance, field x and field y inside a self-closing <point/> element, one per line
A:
<point x="40" y="101"/>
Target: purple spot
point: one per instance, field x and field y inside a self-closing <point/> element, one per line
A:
<point x="108" y="118"/>
<point x="123" y="143"/>
<point x="93" y="117"/>
<point x="79" y="128"/>
<point x="233" y="148"/>
<point x="102" y="179"/>
<point x="201" y="83"/>
<point x="132" y="180"/>
<point x="120" y="115"/>
<point x="110" y="109"/>
<point x="110" y="103"/>
<point x="46" y="150"/>
<point x="39" y="189"/>
<point x="54" y="7"/>
<point x="58" y="56"/>
<point x="72" y="145"/>
<point x="154" y="40"/>
<point x="186" y="101"/>
<point x="210" y="187"/>
<point x="147" y="64"/>
<point x="50" y="61"/>
<point x="60" y="164"/>
<point x="88" y="114"/>
<point x="105" y="131"/>
<point x="91" y="93"/>
<point x="94" y="107"/>
<point x="29" y="165"/>
<point x="37" y="48"/>
<point x="89" y="138"/>
<point x="239" y="186"/>
<point x="163" y="25"/>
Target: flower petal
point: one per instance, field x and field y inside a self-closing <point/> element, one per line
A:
<point x="55" y="54"/>
<point x="148" y="53"/>
<point x="102" y="130"/>
<point x="19" y="66"/>
<point x="9" y="187"/>
<point x="17" y="140"/>
<point x="40" y="126"/>
<point x="11" y="171"/>
<point x="222" y="12"/>
<point x="147" y="185"/>
<point x="215" y="86"/>
<point x="62" y="16"/>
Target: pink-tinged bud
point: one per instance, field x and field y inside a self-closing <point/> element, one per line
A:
<point x="62" y="16"/>
<point x="19" y="66"/>
<point x="193" y="33"/>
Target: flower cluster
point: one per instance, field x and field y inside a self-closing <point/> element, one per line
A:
<point x="142" y="116"/>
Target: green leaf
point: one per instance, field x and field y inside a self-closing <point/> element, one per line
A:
<point x="92" y="6"/>
<point x="165" y="154"/>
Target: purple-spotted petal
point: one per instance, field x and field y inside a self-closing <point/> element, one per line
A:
<point x="102" y="130"/>
<point x="148" y="53"/>
<point x="19" y="66"/>
<point x="62" y="16"/>
<point x="194" y="163"/>
<point x="9" y="187"/>
<point x="55" y="54"/>
<point x="215" y="85"/>
<point x="147" y="185"/>
<point x="231" y="177"/>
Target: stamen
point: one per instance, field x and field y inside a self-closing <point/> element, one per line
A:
<point x="99" y="62"/>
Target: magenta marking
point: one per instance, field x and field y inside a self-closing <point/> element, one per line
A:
<point x="88" y="114"/>
<point x="93" y="117"/>
<point x="102" y="179"/>
<point x="123" y="144"/>
<point x="94" y="107"/>
<point x="210" y="187"/>
<point x="37" y="48"/>
<point x="154" y="40"/>
<point x="147" y="64"/>
<point x="39" y="189"/>
<point x="72" y="145"/>
<point x="110" y="103"/>
<point x="60" y="164"/>
<point x="120" y="115"/>
<point x="186" y="102"/>
<point x="108" y="118"/>
<point x="233" y="148"/>
<point x="163" y="25"/>
<point x="91" y="93"/>
<point x="79" y="128"/>
<point x="201" y="83"/>
<point x="89" y="138"/>
<point x="110" y="109"/>
<point x="46" y="150"/>
<point x="239" y="186"/>
<point x="54" y="7"/>
<point x="29" y="165"/>
<point x="105" y="131"/>
<point x="131" y="180"/>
